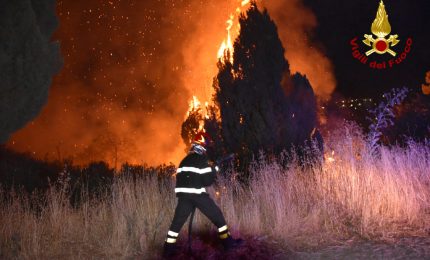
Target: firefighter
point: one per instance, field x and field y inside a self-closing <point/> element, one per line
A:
<point x="193" y="175"/>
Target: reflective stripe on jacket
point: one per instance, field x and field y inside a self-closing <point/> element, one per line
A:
<point x="193" y="174"/>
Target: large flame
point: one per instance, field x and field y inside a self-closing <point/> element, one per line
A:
<point x="226" y="47"/>
<point x="225" y="50"/>
<point x="380" y="26"/>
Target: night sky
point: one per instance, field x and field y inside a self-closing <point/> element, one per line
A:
<point x="131" y="67"/>
<point x="341" y="21"/>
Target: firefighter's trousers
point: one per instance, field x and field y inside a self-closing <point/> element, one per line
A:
<point x="204" y="203"/>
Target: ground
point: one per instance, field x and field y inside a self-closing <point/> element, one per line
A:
<point x="260" y="248"/>
<point x="403" y="248"/>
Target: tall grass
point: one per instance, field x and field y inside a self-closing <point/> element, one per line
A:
<point x="350" y="194"/>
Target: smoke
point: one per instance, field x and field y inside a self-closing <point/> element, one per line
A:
<point x="130" y="69"/>
<point x="295" y="25"/>
<point x="28" y="60"/>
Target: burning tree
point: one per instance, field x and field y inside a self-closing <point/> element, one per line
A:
<point x="253" y="106"/>
<point x="199" y="119"/>
<point x="193" y="123"/>
<point x="259" y="105"/>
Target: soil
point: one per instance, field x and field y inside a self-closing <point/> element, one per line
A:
<point x="402" y="248"/>
<point x="260" y="248"/>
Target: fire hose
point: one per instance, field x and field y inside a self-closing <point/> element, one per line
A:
<point x="190" y="224"/>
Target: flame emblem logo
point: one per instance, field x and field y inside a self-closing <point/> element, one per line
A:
<point x="381" y="28"/>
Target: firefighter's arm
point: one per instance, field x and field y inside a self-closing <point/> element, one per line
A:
<point x="209" y="177"/>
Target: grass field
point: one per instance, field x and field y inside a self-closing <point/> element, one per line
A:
<point x="351" y="195"/>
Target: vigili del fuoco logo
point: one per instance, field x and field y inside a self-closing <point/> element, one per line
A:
<point x="381" y="43"/>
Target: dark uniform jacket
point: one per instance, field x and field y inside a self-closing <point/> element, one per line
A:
<point x="194" y="173"/>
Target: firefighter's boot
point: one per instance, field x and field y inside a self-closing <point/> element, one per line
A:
<point x="170" y="250"/>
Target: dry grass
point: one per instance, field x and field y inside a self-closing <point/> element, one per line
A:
<point x="355" y="195"/>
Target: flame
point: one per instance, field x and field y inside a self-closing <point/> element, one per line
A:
<point x="426" y="87"/>
<point x="141" y="126"/>
<point x="380" y="26"/>
<point x="225" y="49"/>
<point x="195" y="106"/>
<point x="330" y="157"/>
<point x="245" y="2"/>
<point x="227" y="45"/>
<point x="207" y="109"/>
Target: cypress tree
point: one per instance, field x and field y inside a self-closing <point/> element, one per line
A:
<point x="260" y="106"/>
<point x="252" y="102"/>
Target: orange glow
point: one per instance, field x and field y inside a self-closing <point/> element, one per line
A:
<point x="426" y="87"/>
<point x="293" y="20"/>
<point x="121" y="97"/>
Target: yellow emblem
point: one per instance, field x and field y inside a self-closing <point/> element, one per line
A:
<point x="381" y="28"/>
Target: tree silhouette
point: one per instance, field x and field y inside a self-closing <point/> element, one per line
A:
<point x="412" y="120"/>
<point x="212" y="126"/>
<point x="303" y="108"/>
<point x="28" y="61"/>
<point x="260" y="105"/>
<point x="252" y="102"/>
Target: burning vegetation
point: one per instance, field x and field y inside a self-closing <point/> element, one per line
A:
<point x="257" y="106"/>
<point x="261" y="106"/>
<point x="130" y="66"/>
<point x="426" y="86"/>
<point x="348" y="198"/>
